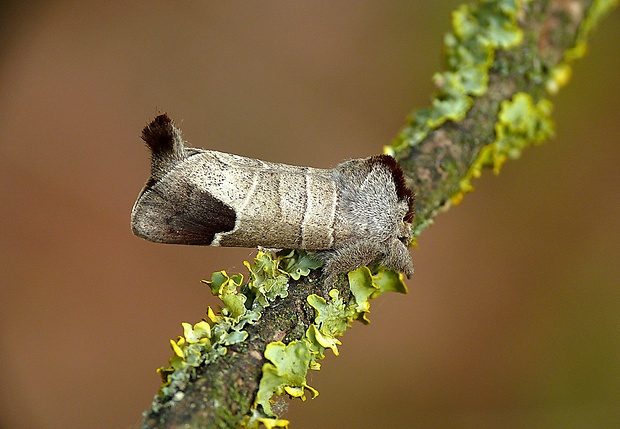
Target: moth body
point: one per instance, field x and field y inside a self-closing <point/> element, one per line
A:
<point x="353" y="215"/>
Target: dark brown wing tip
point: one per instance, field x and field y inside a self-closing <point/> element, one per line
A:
<point x="402" y="191"/>
<point x="162" y="136"/>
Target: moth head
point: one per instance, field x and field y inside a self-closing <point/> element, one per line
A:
<point x="405" y="198"/>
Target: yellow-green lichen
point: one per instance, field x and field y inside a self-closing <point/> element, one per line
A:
<point x="287" y="366"/>
<point x="227" y="289"/>
<point x="270" y="423"/>
<point x="208" y="339"/>
<point x="257" y="418"/>
<point x="388" y="281"/>
<point x="596" y="11"/>
<point x="286" y="372"/>
<point x="478" y="31"/>
<point x="521" y="123"/>
<point x="323" y="341"/>
<point x="332" y="317"/>
<point x="471" y="52"/>
<point x="269" y="277"/>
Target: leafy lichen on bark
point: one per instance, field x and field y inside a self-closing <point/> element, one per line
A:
<point x="503" y="58"/>
<point x="518" y="47"/>
<point x="220" y="359"/>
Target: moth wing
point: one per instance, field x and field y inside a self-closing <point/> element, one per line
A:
<point x="178" y="212"/>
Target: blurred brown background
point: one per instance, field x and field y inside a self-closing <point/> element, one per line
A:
<point x="512" y="319"/>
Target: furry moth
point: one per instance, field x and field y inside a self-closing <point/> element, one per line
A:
<point x="355" y="214"/>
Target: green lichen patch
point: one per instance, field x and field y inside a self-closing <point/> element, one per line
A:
<point x="487" y="45"/>
<point x="287" y="369"/>
<point x="267" y="281"/>
<point x="189" y="351"/>
<point x="284" y="373"/>
<point x="388" y="281"/>
<point x="257" y="418"/>
<point x="269" y="276"/>
<point x="297" y="264"/>
<point x="478" y="32"/>
<point x="273" y="423"/>
<point x="287" y="366"/>
<point x="597" y="10"/>
<point x="227" y="289"/>
<point x="521" y="123"/>
<point x="332" y="317"/>
<point x="366" y="286"/>
<point x="319" y="343"/>
<point x="363" y="289"/>
<point x="207" y="340"/>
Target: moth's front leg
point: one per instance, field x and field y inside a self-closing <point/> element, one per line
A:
<point x="398" y="258"/>
<point x="348" y="258"/>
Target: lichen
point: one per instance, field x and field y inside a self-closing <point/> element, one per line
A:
<point x="521" y="123"/>
<point x="285" y="373"/>
<point x="476" y="53"/>
<point x="243" y="301"/>
<point x="207" y="340"/>
<point x="270" y="423"/>
<point x="478" y="31"/>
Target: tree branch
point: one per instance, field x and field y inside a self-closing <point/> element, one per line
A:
<point x="502" y="60"/>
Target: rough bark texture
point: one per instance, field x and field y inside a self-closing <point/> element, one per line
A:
<point x="224" y="391"/>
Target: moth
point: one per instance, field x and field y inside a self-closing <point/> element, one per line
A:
<point x="356" y="214"/>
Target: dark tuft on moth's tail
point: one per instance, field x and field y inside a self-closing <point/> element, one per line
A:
<point x="402" y="191"/>
<point x="163" y="137"/>
<point x="165" y="141"/>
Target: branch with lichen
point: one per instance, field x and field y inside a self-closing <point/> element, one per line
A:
<point x="503" y="59"/>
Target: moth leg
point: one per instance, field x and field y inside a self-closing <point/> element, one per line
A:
<point x="393" y="255"/>
<point x="348" y="258"/>
<point x="398" y="258"/>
